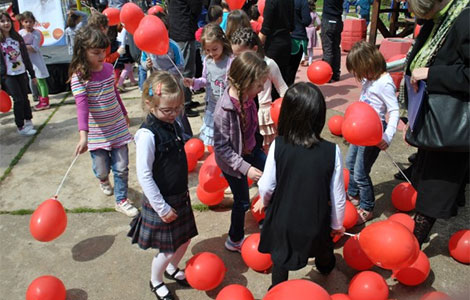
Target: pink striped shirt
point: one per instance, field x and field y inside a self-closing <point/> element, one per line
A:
<point x="100" y="110"/>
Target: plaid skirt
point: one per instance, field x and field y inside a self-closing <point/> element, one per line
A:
<point x="149" y="231"/>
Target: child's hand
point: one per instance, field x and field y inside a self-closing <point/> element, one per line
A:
<point x="188" y="82"/>
<point x="254" y="173"/>
<point x="35" y="81"/>
<point x="382" y="145"/>
<point x="121" y="50"/>
<point x="259" y="206"/>
<point x="128" y="121"/>
<point x="335" y="232"/>
<point x="170" y="217"/>
<point x="82" y="146"/>
<point x="148" y="63"/>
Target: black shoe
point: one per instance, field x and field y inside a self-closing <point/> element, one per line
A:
<point x="412" y="158"/>
<point x="333" y="79"/>
<point x="154" y="289"/>
<point x="193" y="104"/>
<point x="191" y="113"/>
<point x="182" y="282"/>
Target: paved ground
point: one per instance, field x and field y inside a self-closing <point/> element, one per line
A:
<point x="94" y="258"/>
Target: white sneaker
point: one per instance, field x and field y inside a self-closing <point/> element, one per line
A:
<point x="126" y="208"/>
<point x="27" y="131"/>
<point x="28" y="124"/>
<point x="106" y="188"/>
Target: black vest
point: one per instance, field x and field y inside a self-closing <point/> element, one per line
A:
<point x="170" y="168"/>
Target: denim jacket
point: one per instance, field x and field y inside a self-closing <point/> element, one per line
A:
<point x="228" y="138"/>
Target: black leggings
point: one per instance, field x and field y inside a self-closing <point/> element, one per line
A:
<point x="17" y="87"/>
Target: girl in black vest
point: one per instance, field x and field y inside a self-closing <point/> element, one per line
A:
<point x="166" y="221"/>
<point x="302" y="187"/>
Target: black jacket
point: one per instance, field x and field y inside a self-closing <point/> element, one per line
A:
<point x="183" y="16"/>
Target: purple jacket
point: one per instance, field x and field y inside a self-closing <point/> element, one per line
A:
<point x="228" y="138"/>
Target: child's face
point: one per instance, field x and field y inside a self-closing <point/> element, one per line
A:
<point x="28" y="24"/>
<point x="168" y="110"/>
<point x="256" y="87"/>
<point x="95" y="58"/>
<point x="5" y="24"/>
<point x="239" y="49"/>
<point x="214" y="50"/>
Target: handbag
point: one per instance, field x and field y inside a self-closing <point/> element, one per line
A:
<point x="442" y="124"/>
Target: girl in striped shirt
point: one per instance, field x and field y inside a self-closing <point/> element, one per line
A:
<point x="103" y="123"/>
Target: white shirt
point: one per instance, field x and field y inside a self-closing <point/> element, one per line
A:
<point x="145" y="156"/>
<point x="274" y="77"/>
<point x="381" y="95"/>
<point x="267" y="185"/>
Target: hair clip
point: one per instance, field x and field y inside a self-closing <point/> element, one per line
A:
<point x="159" y="89"/>
<point x="150" y="91"/>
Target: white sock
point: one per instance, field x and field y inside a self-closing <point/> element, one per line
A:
<point x="175" y="260"/>
<point x="159" y="264"/>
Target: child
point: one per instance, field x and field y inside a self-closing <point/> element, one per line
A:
<point x="245" y="39"/>
<point x="367" y="64"/>
<point x="254" y="17"/>
<point x="99" y="21"/>
<point x="235" y="124"/>
<point x="214" y="14"/>
<point x="302" y="187"/>
<point x="214" y="75"/>
<point x="226" y="11"/>
<point x="125" y="62"/>
<point x="236" y="19"/>
<point x="75" y="20"/>
<point x="32" y="38"/>
<point x="13" y="76"/>
<point x="101" y="115"/>
<point x="166" y="221"/>
<point x="312" y="33"/>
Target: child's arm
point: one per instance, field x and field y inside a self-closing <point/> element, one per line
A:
<point x="390" y="100"/>
<point x="198" y="83"/>
<point x="34" y="47"/>
<point x="27" y="61"/>
<point x="81" y="100"/>
<point x="267" y="182"/>
<point x="277" y="80"/>
<point x="337" y="194"/>
<point x="145" y="157"/>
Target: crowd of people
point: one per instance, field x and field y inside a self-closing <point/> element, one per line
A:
<point x="245" y="67"/>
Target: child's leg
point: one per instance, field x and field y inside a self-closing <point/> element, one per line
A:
<point x="34" y="90"/>
<point x="101" y="162"/>
<point x="241" y="203"/>
<point x="119" y="165"/>
<point x="130" y="72"/>
<point x="175" y="260"/>
<point x="279" y="275"/>
<point x="142" y="76"/>
<point x="159" y="264"/>
<point x="351" y="158"/>
<point x="17" y="87"/>
<point x="43" y="88"/>
<point x="366" y="157"/>
<point x="310" y="55"/>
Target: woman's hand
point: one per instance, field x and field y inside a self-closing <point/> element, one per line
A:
<point x="254" y="173"/>
<point x="170" y="216"/>
<point x="382" y="145"/>
<point x="188" y="82"/>
<point x="259" y="205"/>
<point x="417" y="75"/>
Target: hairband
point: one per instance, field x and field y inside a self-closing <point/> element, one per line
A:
<point x="158" y="90"/>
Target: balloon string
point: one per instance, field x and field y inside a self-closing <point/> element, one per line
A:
<point x="178" y="70"/>
<point x="63" y="179"/>
<point x="389" y="156"/>
<point x="348" y="234"/>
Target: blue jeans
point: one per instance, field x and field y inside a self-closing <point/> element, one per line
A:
<point x="359" y="162"/>
<point x="142" y="76"/>
<point x="117" y="159"/>
<point x="241" y="195"/>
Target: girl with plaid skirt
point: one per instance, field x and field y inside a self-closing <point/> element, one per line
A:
<point x="166" y="221"/>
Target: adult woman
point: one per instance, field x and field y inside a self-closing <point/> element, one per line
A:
<point x="440" y="57"/>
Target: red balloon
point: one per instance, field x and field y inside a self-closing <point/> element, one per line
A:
<point x="113" y="15"/>
<point x="205" y="271"/>
<point x="319" y="72"/>
<point x="209" y="199"/>
<point x="354" y="256"/>
<point x="211" y="178"/>
<point x="235" y="4"/>
<point x="48" y="221"/>
<point x="5" y="102"/>
<point x="16" y="24"/>
<point x="350" y="215"/>
<point x="235" y="292"/>
<point x="416" y="31"/>
<point x="41" y="42"/>
<point x="396" y="57"/>
<point x="195" y="146"/>
<point x="346" y="178"/>
<point x="362" y="125"/>
<point x="368" y="285"/>
<point x="340" y="297"/>
<point x="252" y="257"/>
<point x="276" y="110"/>
<point x="191" y="158"/>
<point x="435" y="296"/>
<point x="210" y="149"/>
<point x="155" y="9"/>
<point x="297" y="289"/>
<point x="261" y="4"/>
<point x="399" y="242"/>
<point x="250" y="181"/>
<point x="260" y="20"/>
<point x="459" y="246"/>
<point x="258" y="216"/>
<point x="46" y="288"/>
<point x="131" y="15"/>
<point x="334" y="124"/>
<point x="404" y="197"/>
<point x="416" y="273"/>
<point x="403" y="219"/>
<point x="151" y="36"/>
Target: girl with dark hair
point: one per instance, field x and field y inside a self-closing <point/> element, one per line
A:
<point x="235" y="125"/>
<point x="13" y="69"/>
<point x="302" y="188"/>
